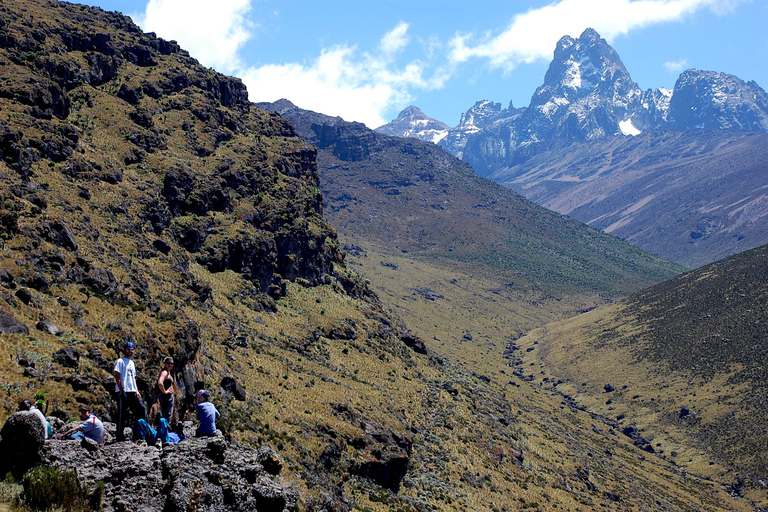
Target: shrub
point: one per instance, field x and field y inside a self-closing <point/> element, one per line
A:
<point x="46" y="487"/>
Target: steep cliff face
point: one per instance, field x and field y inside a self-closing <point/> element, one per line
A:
<point x="126" y="167"/>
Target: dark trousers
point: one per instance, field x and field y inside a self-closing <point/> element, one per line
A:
<point x="128" y="403"/>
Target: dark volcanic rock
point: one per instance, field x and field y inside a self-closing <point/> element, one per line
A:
<point x="384" y="457"/>
<point x="231" y="386"/>
<point x="206" y="474"/>
<point x="59" y="233"/>
<point x="49" y="327"/>
<point x="270" y="460"/>
<point x="414" y="342"/>
<point x="6" y="278"/>
<point x="9" y="324"/>
<point x="68" y="357"/>
<point x="22" y="441"/>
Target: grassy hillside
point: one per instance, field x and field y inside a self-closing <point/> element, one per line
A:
<point x="687" y="359"/>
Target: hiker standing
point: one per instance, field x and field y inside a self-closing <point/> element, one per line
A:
<point x="128" y="396"/>
<point x="165" y="389"/>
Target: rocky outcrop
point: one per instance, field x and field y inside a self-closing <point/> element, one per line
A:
<point x="196" y="474"/>
<point x="381" y="455"/>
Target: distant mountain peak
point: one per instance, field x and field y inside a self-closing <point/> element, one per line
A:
<point x="587" y="95"/>
<point x="412" y="122"/>
<point x="581" y="66"/>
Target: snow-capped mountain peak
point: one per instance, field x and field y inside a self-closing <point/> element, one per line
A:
<point x="412" y="122"/>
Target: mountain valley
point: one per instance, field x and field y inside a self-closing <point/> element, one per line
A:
<point x="145" y="199"/>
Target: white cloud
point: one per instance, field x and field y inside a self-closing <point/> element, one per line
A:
<point x="342" y="81"/>
<point x="676" y="67"/>
<point x="395" y="40"/>
<point x="212" y="32"/>
<point x="357" y="86"/>
<point x="534" y="34"/>
<point x="366" y="86"/>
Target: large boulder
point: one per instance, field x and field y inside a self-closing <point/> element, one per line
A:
<point x="23" y="437"/>
<point x="383" y="457"/>
<point x="10" y="325"/>
<point x="233" y="388"/>
<point x="68" y="357"/>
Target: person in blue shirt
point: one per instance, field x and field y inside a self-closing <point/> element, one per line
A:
<point x="207" y="413"/>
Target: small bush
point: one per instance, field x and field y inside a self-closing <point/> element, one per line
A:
<point x="10" y="491"/>
<point x="46" y="487"/>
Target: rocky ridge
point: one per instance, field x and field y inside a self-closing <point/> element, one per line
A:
<point x="589" y="95"/>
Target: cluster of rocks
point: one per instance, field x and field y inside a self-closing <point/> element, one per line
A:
<point x="206" y="473"/>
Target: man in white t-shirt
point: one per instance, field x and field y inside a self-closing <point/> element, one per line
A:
<point x="128" y="396"/>
<point x="28" y="405"/>
<point x="91" y="427"/>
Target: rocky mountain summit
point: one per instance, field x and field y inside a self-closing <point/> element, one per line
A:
<point x="482" y="115"/>
<point x="706" y="100"/>
<point x="589" y="95"/>
<point x="413" y="122"/>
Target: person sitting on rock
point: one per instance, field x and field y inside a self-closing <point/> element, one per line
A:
<point x="28" y="405"/>
<point x="128" y="395"/>
<point x="91" y="427"/>
<point x="207" y="413"/>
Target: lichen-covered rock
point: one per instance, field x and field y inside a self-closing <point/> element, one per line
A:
<point x="270" y="460"/>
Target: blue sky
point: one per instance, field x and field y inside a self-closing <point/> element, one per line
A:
<point x="366" y="60"/>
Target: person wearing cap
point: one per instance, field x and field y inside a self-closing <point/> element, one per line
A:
<point x="91" y="427"/>
<point x="128" y="396"/>
<point x="207" y="413"/>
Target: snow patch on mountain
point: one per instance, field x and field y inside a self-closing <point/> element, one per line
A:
<point x="627" y="128"/>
